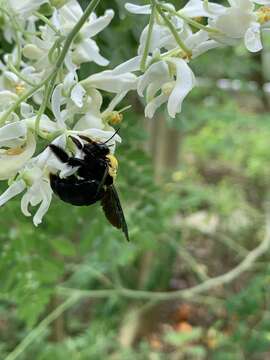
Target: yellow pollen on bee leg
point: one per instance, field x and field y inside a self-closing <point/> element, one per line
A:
<point x="113" y="165"/>
<point x="264" y="14"/>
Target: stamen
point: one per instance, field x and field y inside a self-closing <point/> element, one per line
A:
<point x="263" y="14"/>
<point x="19" y="88"/>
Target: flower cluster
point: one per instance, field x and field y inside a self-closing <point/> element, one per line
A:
<point x="42" y="97"/>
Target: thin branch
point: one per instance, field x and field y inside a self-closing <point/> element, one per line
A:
<point x="208" y="285"/>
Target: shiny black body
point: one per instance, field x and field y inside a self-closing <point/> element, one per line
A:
<point x="77" y="192"/>
<point x="91" y="183"/>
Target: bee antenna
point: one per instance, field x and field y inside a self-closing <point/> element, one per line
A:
<point x="116" y="131"/>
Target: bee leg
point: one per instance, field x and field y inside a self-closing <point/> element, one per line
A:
<point x="77" y="142"/>
<point x="76" y="162"/>
<point x="64" y="157"/>
<point x="85" y="138"/>
<point x="59" y="153"/>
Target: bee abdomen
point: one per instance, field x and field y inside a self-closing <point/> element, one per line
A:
<point x="76" y="191"/>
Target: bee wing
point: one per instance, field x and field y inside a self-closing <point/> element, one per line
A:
<point x="113" y="210"/>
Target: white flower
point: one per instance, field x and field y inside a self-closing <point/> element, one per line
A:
<point x="17" y="147"/>
<point x="199" y="43"/>
<point x="16" y="85"/>
<point x="118" y="80"/>
<point x="198" y="8"/>
<point x="239" y="21"/>
<point x="7" y="99"/>
<point x="84" y="49"/>
<point x="25" y="7"/>
<point x="37" y="48"/>
<point x="94" y="118"/>
<point x="138" y="9"/>
<point x="38" y="191"/>
<point x="158" y="77"/>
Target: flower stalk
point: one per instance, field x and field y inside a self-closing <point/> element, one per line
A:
<point x="174" y="32"/>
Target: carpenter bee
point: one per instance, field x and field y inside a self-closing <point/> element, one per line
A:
<point x="93" y="180"/>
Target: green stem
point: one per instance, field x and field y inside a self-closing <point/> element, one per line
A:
<point x="47" y="21"/>
<point x="88" y="11"/>
<point x="174" y="32"/>
<point x="20" y="76"/>
<point x="22" y="98"/>
<point x="148" y="39"/>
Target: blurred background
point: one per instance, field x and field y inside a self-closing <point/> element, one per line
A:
<point x="194" y="191"/>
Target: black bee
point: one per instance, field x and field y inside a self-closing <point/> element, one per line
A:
<point x="92" y="182"/>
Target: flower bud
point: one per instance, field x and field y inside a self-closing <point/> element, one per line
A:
<point x="32" y="52"/>
<point x="58" y="3"/>
<point x="46" y="10"/>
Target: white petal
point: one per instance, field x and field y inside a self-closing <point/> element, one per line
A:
<point x="109" y="81"/>
<point x="99" y="135"/>
<point x="99" y="24"/>
<point x="194" y="8"/>
<point x="11" y="164"/>
<point x="69" y="63"/>
<point x="7" y="98"/>
<point x="128" y="66"/>
<point x="115" y="101"/>
<point x="152" y="89"/>
<point x="244" y="5"/>
<point x="69" y="81"/>
<point x="253" y="38"/>
<point x="137" y="9"/>
<point x="234" y="22"/>
<point x="15" y="188"/>
<point x="69" y="15"/>
<point x="45" y="124"/>
<point x="11" y="77"/>
<point x="89" y="121"/>
<point x="25" y="202"/>
<point x="55" y="19"/>
<point x="161" y="37"/>
<point x="56" y="105"/>
<point x="45" y="204"/>
<point x="27" y="110"/>
<point x="213" y="9"/>
<point x="199" y="43"/>
<point x="77" y="95"/>
<point x="26" y="6"/>
<point x="87" y="50"/>
<point x="154" y="104"/>
<point x="185" y="81"/>
<point x="157" y="71"/>
<point x="96" y="100"/>
<point x="11" y="132"/>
